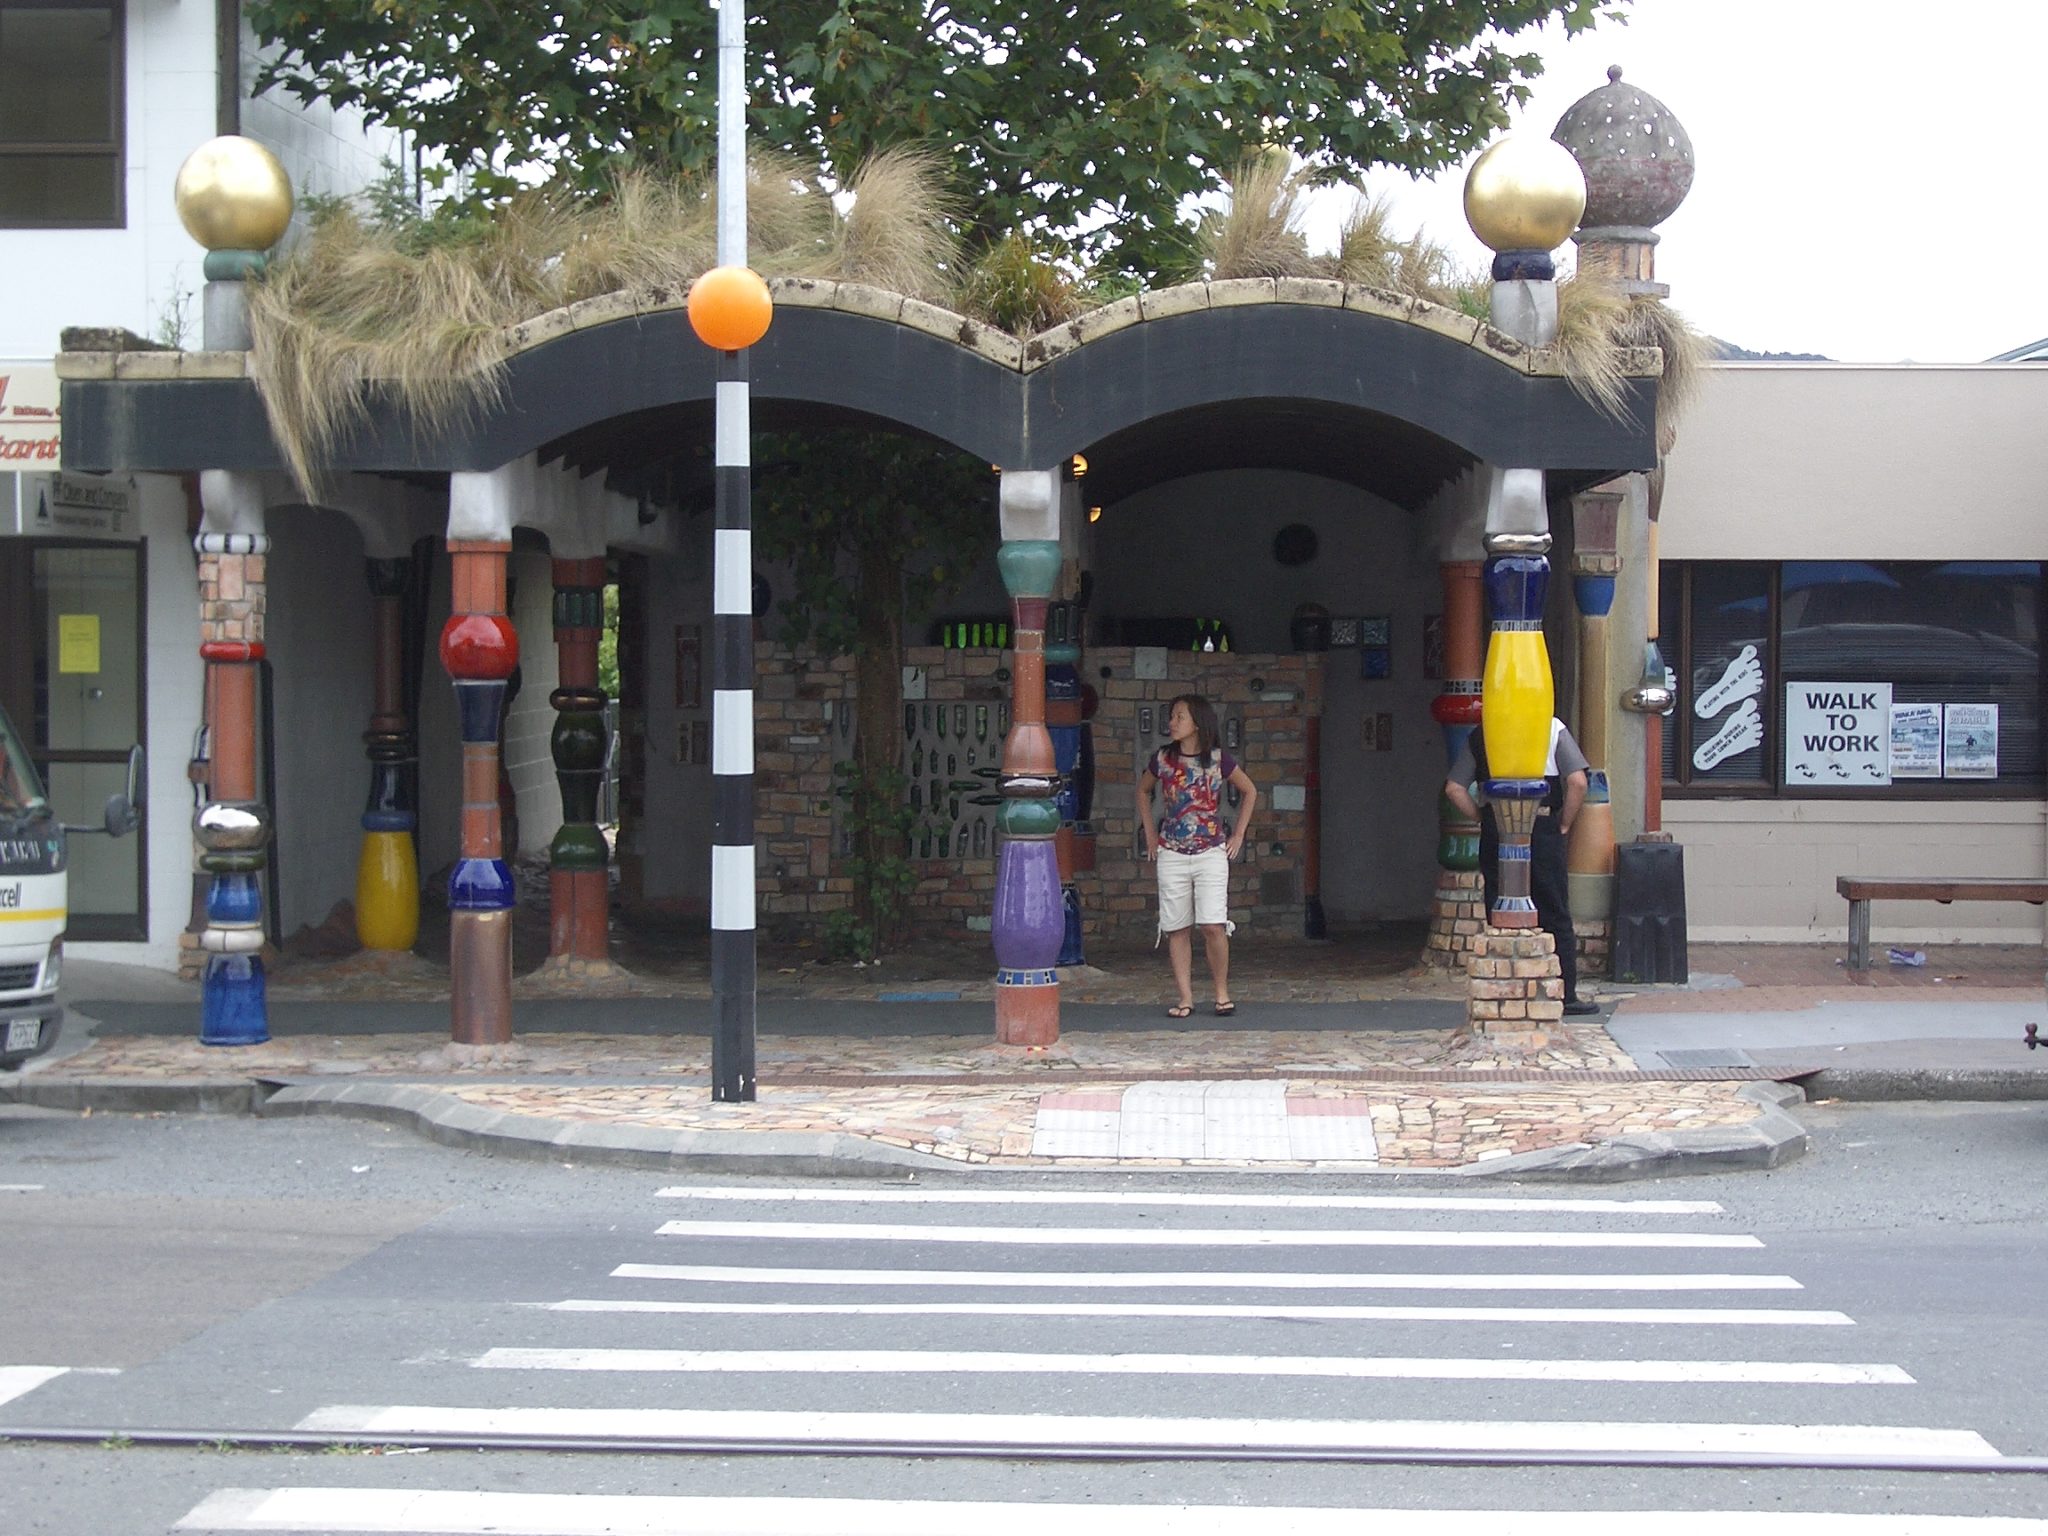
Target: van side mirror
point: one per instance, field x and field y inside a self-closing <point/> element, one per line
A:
<point x="122" y="812"/>
<point x="120" y="816"/>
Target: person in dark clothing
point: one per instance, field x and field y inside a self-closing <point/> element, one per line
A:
<point x="1549" y="887"/>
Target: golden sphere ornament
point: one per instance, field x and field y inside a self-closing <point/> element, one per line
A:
<point x="1524" y="193"/>
<point x="730" y="308"/>
<point x="233" y="195"/>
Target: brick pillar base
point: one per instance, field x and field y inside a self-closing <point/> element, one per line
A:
<point x="1514" y="992"/>
<point x="1456" y="918"/>
<point x="1596" y="953"/>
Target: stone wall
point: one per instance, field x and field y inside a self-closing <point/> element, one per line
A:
<point x="802" y="707"/>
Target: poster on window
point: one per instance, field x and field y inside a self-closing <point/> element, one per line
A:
<point x="1969" y="741"/>
<point x="1838" y="735"/>
<point x="1916" y="741"/>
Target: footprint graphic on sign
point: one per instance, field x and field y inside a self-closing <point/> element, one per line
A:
<point x="1744" y="679"/>
<point x="1739" y="732"/>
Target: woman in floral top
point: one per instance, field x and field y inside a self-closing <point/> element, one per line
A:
<point x="1191" y="847"/>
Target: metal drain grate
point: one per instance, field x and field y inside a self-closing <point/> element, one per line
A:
<point x="1720" y="1056"/>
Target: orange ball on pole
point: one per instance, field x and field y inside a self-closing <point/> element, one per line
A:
<point x="730" y="308"/>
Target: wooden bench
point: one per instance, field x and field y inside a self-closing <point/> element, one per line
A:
<point x="1861" y="890"/>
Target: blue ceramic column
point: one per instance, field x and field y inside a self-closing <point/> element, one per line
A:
<point x="1029" y="921"/>
<point x="233" y="828"/>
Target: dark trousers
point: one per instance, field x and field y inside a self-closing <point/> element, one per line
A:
<point x="1549" y="888"/>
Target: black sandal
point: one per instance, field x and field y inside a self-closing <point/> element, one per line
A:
<point x="1225" y="1009"/>
<point x="1180" y="1010"/>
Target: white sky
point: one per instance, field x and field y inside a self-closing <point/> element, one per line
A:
<point x="1870" y="172"/>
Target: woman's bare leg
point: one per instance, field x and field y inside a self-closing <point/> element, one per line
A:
<point x="1180" y="954"/>
<point x="1216" y="945"/>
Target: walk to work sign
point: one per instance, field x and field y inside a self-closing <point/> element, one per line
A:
<point x="1838" y="734"/>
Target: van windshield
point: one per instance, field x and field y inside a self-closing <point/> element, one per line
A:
<point x="20" y="790"/>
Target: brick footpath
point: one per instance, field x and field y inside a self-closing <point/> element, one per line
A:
<point x="973" y="1102"/>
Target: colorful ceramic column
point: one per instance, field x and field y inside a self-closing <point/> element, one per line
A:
<point x="387" y="870"/>
<point x="578" y="883"/>
<point x="1029" y="924"/>
<point x="234" y="199"/>
<point x="1517" y="699"/>
<point x="233" y="828"/>
<point x="1523" y="198"/>
<point x="479" y="649"/>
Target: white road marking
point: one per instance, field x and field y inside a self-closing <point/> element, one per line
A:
<point x="437" y="1512"/>
<point x="1051" y="1431"/>
<point x="1195" y="1237"/>
<point x="19" y="1189"/>
<point x="888" y="1362"/>
<point x="1217" y="1280"/>
<point x="18" y="1380"/>
<point x="745" y="1195"/>
<point x="1742" y="1316"/>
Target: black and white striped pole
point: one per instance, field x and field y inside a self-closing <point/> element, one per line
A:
<point x="730" y="310"/>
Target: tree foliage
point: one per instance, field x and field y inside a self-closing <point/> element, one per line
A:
<point x="1096" y="119"/>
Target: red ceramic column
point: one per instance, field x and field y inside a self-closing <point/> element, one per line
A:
<point x="479" y="649"/>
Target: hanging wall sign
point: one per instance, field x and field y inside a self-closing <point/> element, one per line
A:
<point x="1838" y="734"/>
<point x="1969" y="741"/>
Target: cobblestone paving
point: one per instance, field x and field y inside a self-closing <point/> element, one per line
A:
<point x="1124" y="1056"/>
<point x="894" y="1089"/>
<point x="1439" y="1129"/>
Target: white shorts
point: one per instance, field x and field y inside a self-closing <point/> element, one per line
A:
<point x="1194" y="888"/>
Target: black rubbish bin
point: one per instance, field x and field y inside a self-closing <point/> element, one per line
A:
<point x="1649" y="913"/>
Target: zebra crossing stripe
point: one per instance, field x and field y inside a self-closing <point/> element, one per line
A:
<point x="1049" y="1432"/>
<point x="891" y="1362"/>
<point x="1126" y="1197"/>
<point x="1208" y="1280"/>
<point x="455" y="1512"/>
<point x="1196" y="1237"/>
<point x="1748" y="1317"/>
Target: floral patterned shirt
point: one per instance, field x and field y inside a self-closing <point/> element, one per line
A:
<point x="1191" y="799"/>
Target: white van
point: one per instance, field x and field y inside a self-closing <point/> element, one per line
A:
<point x="33" y="896"/>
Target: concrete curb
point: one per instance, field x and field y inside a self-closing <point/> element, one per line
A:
<point x="1954" y="1085"/>
<point x="136" y="1095"/>
<point x="1769" y="1141"/>
<point x="454" y="1123"/>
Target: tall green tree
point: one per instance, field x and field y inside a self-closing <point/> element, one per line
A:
<point x="1094" y="118"/>
<point x="869" y="525"/>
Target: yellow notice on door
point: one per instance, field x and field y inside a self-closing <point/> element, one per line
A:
<point x="78" y="642"/>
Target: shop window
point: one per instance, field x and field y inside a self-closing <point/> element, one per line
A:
<point x="60" y="114"/>
<point x="1854" y="677"/>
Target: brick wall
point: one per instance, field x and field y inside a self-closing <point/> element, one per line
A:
<point x="801" y="705"/>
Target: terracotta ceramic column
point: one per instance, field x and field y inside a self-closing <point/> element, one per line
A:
<point x="479" y="649"/>
<point x="578" y="885"/>
<point x="1028" y="924"/>
<point x="387" y="871"/>
<point x="233" y="828"/>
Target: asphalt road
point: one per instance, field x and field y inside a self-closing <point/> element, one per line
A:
<point x="238" y="1278"/>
